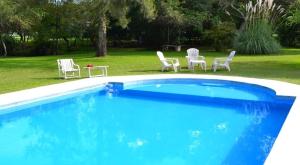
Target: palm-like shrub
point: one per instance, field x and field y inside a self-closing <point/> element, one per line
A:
<point x="256" y="39"/>
<point x="256" y="34"/>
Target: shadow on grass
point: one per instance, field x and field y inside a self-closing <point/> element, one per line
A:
<point x="145" y="71"/>
<point x="57" y="78"/>
<point x="267" y="70"/>
<point x="158" y="71"/>
<point x="283" y="52"/>
<point x="289" y="51"/>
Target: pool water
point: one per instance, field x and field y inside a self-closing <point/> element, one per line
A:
<point x="136" y="125"/>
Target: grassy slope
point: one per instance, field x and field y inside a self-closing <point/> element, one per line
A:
<point x="27" y="72"/>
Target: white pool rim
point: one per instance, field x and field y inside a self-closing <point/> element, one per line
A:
<point x="285" y="150"/>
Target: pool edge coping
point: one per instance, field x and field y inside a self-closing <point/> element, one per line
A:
<point x="284" y="150"/>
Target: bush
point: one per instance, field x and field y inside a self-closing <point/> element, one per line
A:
<point x="41" y="47"/>
<point x="221" y="36"/>
<point x="10" y="44"/>
<point x="256" y="38"/>
<point x="289" y="35"/>
<point x="289" y="32"/>
<point x="14" y="47"/>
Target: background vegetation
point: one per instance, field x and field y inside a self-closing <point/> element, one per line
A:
<point x="29" y="27"/>
<point x="33" y="34"/>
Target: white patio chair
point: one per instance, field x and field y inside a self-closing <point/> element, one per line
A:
<point x="67" y="68"/>
<point x="168" y="62"/>
<point x="223" y="62"/>
<point x="193" y="59"/>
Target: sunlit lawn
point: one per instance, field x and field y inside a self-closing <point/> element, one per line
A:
<point x="17" y="73"/>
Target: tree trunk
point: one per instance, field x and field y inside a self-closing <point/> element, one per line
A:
<point x="102" y="41"/>
<point x="67" y="42"/>
<point x="74" y="45"/>
<point x="4" y="48"/>
<point x="21" y="37"/>
<point x="168" y="34"/>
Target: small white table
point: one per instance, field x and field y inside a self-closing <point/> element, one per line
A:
<point x="202" y="64"/>
<point x="103" y="70"/>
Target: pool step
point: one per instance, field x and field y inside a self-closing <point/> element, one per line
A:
<point x="278" y="101"/>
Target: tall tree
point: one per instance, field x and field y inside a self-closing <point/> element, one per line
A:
<point x="197" y="11"/>
<point x="16" y="16"/>
<point x="103" y="10"/>
<point x="7" y="16"/>
<point x="289" y="31"/>
<point x="170" y="16"/>
<point x="198" y="14"/>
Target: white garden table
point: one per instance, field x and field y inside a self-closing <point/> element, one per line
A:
<point x="103" y="70"/>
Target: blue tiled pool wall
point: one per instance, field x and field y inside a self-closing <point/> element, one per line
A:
<point x="245" y="107"/>
<point x="114" y="89"/>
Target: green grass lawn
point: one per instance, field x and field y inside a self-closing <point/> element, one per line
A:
<point x="17" y="73"/>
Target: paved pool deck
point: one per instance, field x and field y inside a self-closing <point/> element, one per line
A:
<point x="285" y="150"/>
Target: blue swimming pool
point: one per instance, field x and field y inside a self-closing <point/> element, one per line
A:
<point x="161" y="122"/>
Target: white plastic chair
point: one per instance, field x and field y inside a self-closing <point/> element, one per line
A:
<point x="67" y="68"/>
<point x="194" y="59"/>
<point x="168" y="62"/>
<point x="223" y="62"/>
